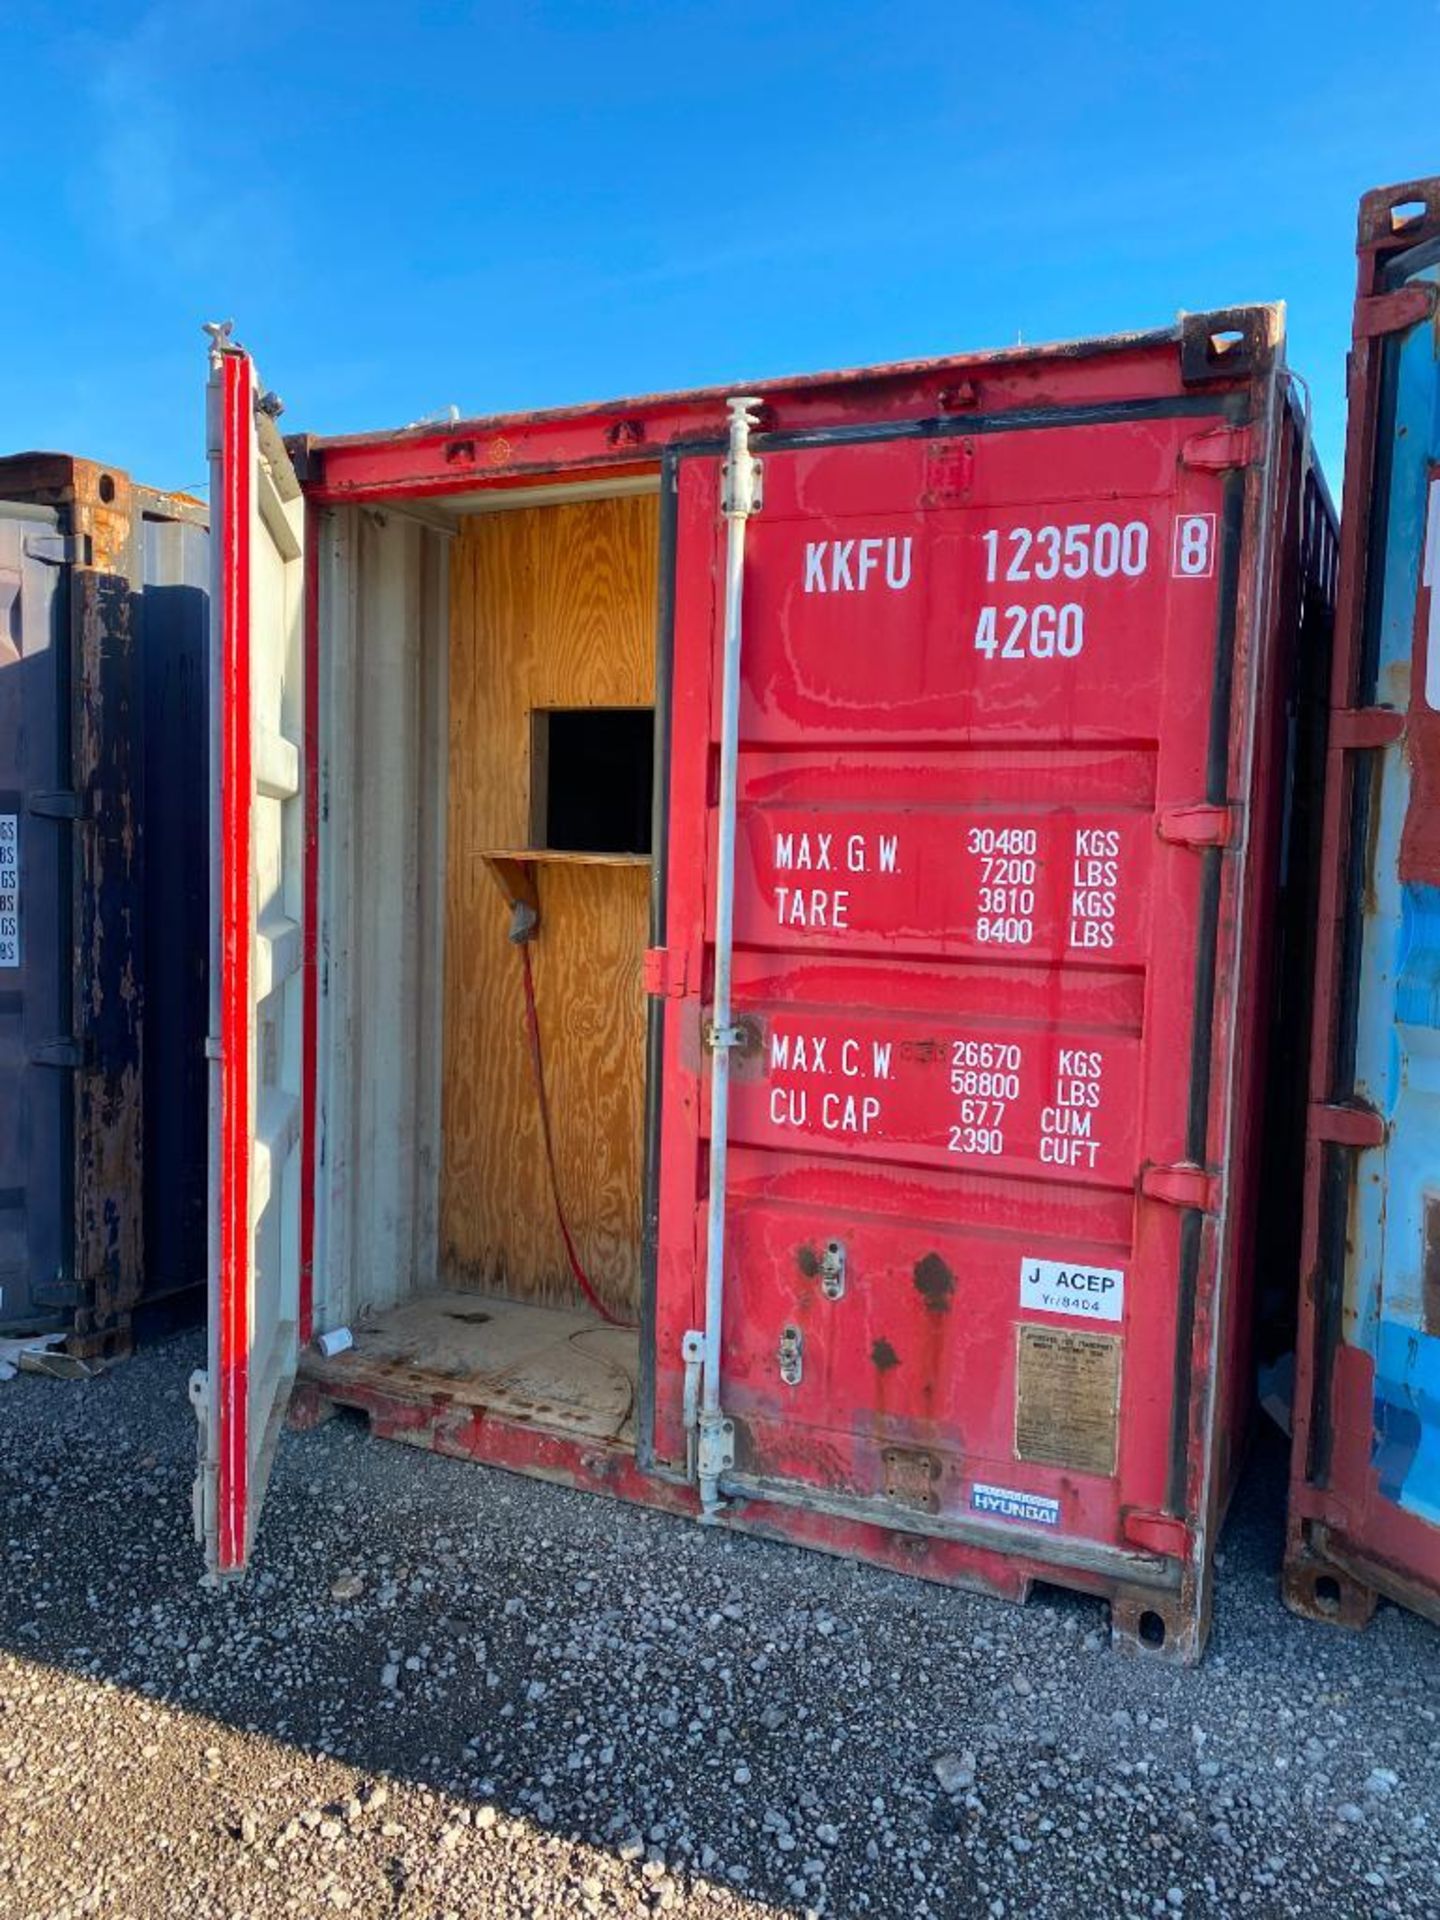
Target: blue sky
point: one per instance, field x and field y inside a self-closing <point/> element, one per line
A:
<point x="504" y="205"/>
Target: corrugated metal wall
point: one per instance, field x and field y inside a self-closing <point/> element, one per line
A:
<point x="36" y="1159"/>
<point x="177" y="909"/>
<point x="384" y="739"/>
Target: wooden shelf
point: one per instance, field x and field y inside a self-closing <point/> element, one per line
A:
<point x="513" y="868"/>
<point x="558" y="856"/>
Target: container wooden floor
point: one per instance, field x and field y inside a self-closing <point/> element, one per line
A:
<point x="565" y="1370"/>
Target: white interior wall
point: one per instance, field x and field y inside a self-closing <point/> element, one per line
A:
<point x="384" y="646"/>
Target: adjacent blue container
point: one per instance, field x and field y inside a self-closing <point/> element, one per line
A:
<point x="1365" y="1495"/>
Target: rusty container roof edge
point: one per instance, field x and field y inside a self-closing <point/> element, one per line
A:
<point x="1219" y="347"/>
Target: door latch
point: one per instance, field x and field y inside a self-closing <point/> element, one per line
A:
<point x="792" y="1355"/>
<point x="832" y="1271"/>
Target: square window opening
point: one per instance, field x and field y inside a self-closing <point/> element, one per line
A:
<point x="592" y="775"/>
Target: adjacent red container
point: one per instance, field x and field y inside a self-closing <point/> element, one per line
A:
<point x="1014" y="637"/>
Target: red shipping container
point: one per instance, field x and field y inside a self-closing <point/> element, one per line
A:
<point x="950" y="1106"/>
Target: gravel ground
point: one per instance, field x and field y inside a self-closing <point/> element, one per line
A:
<point x="450" y="1692"/>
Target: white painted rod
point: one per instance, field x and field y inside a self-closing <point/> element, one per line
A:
<point x="738" y="504"/>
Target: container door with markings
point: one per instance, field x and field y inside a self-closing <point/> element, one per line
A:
<point x="1365" y="1483"/>
<point x="258" y="981"/>
<point x="983" y="734"/>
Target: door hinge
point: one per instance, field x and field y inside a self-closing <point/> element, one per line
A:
<point x="1356" y="729"/>
<point x="666" y="973"/>
<point x="1155" y="1532"/>
<point x="1346" y="1123"/>
<point x="58" y="805"/>
<point x="68" y="1054"/>
<point x="1205" y="823"/>
<point x="62" y="1289"/>
<point x="1182" y="1185"/>
<point x="1393" y="312"/>
<point x="1219" y="449"/>
<point x="59" y="549"/>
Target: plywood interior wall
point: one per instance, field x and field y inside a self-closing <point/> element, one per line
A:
<point x="550" y="607"/>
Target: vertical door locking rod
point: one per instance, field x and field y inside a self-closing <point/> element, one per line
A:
<point x="740" y="497"/>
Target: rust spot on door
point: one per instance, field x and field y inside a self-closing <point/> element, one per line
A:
<point x="1430" y="1269"/>
<point x="912" y="1478"/>
<point x="922" y="1050"/>
<point x="935" y="1283"/>
<point x="808" y="1262"/>
<point x="884" y="1356"/>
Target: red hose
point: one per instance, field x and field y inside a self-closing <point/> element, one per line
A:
<point x="537" y="1061"/>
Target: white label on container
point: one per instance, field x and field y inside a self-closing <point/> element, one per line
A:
<point x="9" y="890"/>
<point x="1431" y="574"/>
<point x="1070" y="1287"/>
<point x="1008" y="1504"/>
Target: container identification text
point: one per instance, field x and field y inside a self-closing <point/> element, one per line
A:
<point x="1080" y="550"/>
<point x="9" y="890"/>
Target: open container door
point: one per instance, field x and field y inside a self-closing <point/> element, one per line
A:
<point x="258" y="1016"/>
